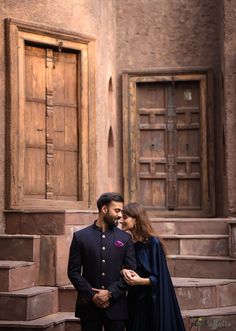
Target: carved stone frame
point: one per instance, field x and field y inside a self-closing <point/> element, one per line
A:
<point x="17" y="33"/>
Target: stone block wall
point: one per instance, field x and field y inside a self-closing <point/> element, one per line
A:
<point x="172" y="34"/>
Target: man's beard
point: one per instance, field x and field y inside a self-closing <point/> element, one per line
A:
<point x="110" y="220"/>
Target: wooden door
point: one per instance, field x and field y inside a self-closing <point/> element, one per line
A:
<point x="50" y="118"/>
<point x="168" y="160"/>
<point x="51" y="125"/>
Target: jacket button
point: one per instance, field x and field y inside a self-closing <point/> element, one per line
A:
<point x="102" y="286"/>
<point x="103" y="261"/>
<point x="103" y="273"/>
<point x="103" y="248"/>
<point x="103" y="236"/>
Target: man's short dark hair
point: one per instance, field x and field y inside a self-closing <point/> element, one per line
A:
<point x="106" y="198"/>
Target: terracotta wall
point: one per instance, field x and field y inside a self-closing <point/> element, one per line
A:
<point x="92" y="17"/>
<point x="229" y="69"/>
<point x="170" y="33"/>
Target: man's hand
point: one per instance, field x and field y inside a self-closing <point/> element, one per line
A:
<point x="101" y="298"/>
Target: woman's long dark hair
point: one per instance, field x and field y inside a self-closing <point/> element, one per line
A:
<point x="143" y="225"/>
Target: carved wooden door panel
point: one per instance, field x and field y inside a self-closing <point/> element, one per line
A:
<point x="51" y="156"/>
<point x="188" y="137"/>
<point x="65" y="170"/>
<point x="35" y="123"/>
<point x="152" y="165"/>
<point x="168" y="155"/>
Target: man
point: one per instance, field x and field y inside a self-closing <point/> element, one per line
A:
<point x="98" y="253"/>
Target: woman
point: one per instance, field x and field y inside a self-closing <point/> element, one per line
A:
<point x="151" y="298"/>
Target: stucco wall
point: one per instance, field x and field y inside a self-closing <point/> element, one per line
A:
<point x="92" y="17"/>
<point x="169" y="33"/>
<point x="230" y="100"/>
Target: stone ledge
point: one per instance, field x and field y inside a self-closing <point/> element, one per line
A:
<point x="199" y="282"/>
<point x="29" y="292"/>
<point x="16" y="275"/>
<point x="20" y="248"/>
<point x="232" y="238"/>
<point x="202" y="266"/>
<point x="28" y="304"/>
<point x="5" y="264"/>
<point x="220" y="311"/>
<point x="46" y="222"/>
<point x="191" y="292"/>
<point x="201" y="257"/>
<point x="42" y="322"/>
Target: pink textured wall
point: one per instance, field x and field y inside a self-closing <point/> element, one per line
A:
<point x="169" y="33"/>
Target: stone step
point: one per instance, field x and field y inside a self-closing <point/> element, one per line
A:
<point x="188" y="226"/>
<point x="192" y="293"/>
<point x="28" y="304"/>
<point x="200" y="293"/>
<point x="72" y="323"/>
<point x="66" y="298"/>
<point x="215" y="245"/>
<point x="54" y="322"/>
<point x="54" y="222"/>
<point x="16" y="275"/>
<point x="202" y="266"/>
<point x="19" y="247"/>
<point x="46" y="222"/>
<point x="53" y="268"/>
<point x="223" y="319"/>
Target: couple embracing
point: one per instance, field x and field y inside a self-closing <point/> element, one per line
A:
<point x="106" y="263"/>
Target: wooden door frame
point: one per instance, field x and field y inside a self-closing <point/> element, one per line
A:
<point x="17" y="32"/>
<point x="130" y="80"/>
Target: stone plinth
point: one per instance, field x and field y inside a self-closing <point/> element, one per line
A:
<point x="46" y="222"/>
<point x="232" y="238"/>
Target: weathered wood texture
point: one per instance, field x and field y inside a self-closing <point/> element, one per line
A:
<point x="167" y="164"/>
<point x="51" y="119"/>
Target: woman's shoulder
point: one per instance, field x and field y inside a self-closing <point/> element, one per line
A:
<point x="154" y="240"/>
<point x="156" y="245"/>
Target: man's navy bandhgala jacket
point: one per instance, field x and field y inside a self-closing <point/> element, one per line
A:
<point x="95" y="261"/>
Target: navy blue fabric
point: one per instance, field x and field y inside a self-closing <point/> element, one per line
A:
<point x="155" y="307"/>
<point x="89" y="249"/>
<point x="102" y="324"/>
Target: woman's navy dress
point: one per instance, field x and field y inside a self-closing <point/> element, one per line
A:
<point x="155" y="307"/>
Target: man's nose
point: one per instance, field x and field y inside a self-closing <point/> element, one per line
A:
<point x="119" y="214"/>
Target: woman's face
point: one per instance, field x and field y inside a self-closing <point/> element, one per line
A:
<point x="127" y="223"/>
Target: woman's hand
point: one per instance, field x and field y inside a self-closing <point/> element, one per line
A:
<point x="132" y="278"/>
<point x="127" y="273"/>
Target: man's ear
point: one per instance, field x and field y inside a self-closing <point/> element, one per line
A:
<point x="104" y="209"/>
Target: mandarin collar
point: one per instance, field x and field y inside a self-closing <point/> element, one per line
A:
<point x="100" y="229"/>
